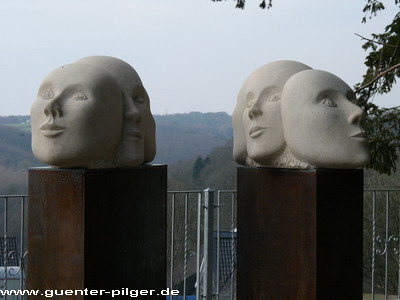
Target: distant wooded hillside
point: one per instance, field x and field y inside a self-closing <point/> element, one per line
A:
<point x="196" y="146"/>
<point x="183" y="136"/>
<point x="179" y="137"/>
<point x="216" y="170"/>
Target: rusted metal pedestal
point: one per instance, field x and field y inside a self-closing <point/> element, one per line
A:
<point x="97" y="230"/>
<point x="299" y="234"/>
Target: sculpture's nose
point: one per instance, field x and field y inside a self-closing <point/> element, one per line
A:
<point x="53" y="108"/>
<point x="254" y="110"/>
<point x="131" y="111"/>
<point x="357" y="115"/>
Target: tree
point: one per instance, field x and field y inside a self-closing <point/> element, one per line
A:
<point x="241" y="3"/>
<point x="198" y="166"/>
<point x="383" y="68"/>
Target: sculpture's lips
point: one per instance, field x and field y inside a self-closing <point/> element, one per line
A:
<point x="255" y="131"/>
<point x="51" y="129"/>
<point x="134" y="134"/>
<point x="361" y="134"/>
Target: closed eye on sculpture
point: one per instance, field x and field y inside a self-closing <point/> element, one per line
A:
<point x="273" y="98"/>
<point x="250" y="98"/>
<point x="47" y="94"/>
<point x="328" y="102"/>
<point x="79" y="96"/>
<point x="271" y="94"/>
<point x="138" y="99"/>
<point x="250" y="103"/>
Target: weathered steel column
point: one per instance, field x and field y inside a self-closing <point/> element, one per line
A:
<point x="300" y="234"/>
<point x="97" y="229"/>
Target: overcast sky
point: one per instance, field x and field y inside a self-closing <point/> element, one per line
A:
<point x="192" y="55"/>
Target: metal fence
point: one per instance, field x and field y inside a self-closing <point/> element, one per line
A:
<point x="202" y="244"/>
<point x="381" y="244"/>
<point x="201" y="248"/>
<point x="13" y="248"/>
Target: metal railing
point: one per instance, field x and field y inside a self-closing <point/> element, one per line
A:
<point x="13" y="243"/>
<point x="381" y="244"/>
<point x="178" y="238"/>
<point x="195" y="223"/>
<point x="202" y="243"/>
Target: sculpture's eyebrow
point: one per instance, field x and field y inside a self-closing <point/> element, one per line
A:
<point x="271" y="90"/>
<point x="329" y="92"/>
<point x="75" y="87"/>
<point x="45" y="86"/>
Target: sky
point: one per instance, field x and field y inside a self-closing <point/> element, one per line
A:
<point x="191" y="55"/>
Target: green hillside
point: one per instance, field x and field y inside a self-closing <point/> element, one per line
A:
<point x="217" y="171"/>
<point x="196" y="146"/>
<point x="14" y="120"/>
<point x="179" y="137"/>
<point x="183" y="136"/>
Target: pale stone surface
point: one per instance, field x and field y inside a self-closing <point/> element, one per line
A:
<point x="94" y="113"/>
<point x="322" y="124"/>
<point x="257" y="122"/>
<point x="135" y="96"/>
<point x="290" y="116"/>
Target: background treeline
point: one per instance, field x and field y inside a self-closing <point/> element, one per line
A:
<point x="15" y="157"/>
<point x="196" y="146"/>
<point x="182" y="136"/>
<point x="181" y="140"/>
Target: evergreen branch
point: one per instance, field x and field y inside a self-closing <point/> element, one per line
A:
<point x="383" y="73"/>
<point x="394" y="124"/>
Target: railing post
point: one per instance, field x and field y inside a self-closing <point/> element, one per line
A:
<point x="208" y="236"/>
<point x="198" y="242"/>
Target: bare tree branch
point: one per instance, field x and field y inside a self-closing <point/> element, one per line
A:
<point x="376" y="42"/>
<point x="390" y="108"/>
<point x="383" y="73"/>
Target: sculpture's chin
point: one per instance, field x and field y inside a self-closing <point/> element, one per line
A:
<point x="284" y="160"/>
<point x="116" y="162"/>
<point x="356" y="162"/>
<point x="131" y="163"/>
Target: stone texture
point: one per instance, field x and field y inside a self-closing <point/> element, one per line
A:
<point x="322" y="123"/>
<point x="291" y="116"/>
<point x="94" y="113"/>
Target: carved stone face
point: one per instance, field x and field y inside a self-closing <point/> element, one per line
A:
<point x="137" y="116"/>
<point x="77" y="117"/>
<point x="262" y="122"/>
<point x="322" y="125"/>
<point x="257" y="122"/>
<point x="131" y="148"/>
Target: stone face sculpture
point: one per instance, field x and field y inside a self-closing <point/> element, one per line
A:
<point x="291" y="116"/>
<point x="94" y="113"/>
<point x="257" y="123"/>
<point x="322" y="123"/>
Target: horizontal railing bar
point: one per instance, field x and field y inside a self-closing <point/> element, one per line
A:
<point x="200" y="191"/>
<point x="184" y="192"/>
<point x="382" y="190"/>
